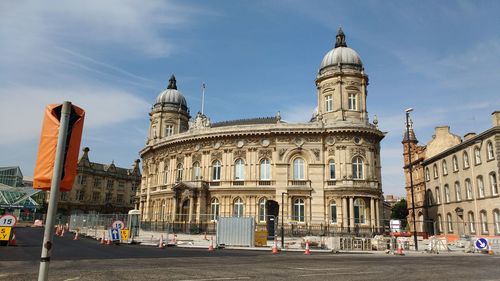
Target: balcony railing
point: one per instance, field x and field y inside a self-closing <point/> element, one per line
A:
<point x="300" y="183"/>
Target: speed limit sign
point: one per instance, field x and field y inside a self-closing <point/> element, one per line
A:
<point x="118" y="224"/>
<point x="8" y="220"/>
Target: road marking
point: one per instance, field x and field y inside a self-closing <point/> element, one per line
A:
<point x="320" y="269"/>
<point x="222" y="278"/>
<point x="339" y="273"/>
<point x="70" y="279"/>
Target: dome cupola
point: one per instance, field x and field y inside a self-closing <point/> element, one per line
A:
<point x="171" y="95"/>
<point x="341" y="57"/>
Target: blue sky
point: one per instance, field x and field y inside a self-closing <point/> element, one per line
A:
<point x="112" y="58"/>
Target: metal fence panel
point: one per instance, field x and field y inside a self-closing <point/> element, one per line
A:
<point x="237" y="231"/>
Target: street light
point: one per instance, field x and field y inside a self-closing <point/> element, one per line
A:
<point x="410" y="168"/>
<point x="282" y="219"/>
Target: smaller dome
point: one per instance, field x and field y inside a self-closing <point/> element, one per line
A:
<point x="341" y="55"/>
<point x="171" y="95"/>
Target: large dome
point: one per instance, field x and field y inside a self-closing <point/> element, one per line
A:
<point x="171" y="95"/>
<point x="341" y="55"/>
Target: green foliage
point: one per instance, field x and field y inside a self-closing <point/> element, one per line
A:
<point x="400" y="210"/>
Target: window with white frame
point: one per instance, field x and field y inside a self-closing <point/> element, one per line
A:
<point x="449" y="221"/>
<point x="496" y="218"/>
<point x="298" y="169"/>
<point x="466" y="160"/>
<point x="489" y="148"/>
<point x="333" y="211"/>
<point x="357" y="168"/>
<point x="445" y="168"/>
<point x="238" y="207"/>
<point x="458" y="191"/>
<point x="435" y="171"/>
<point x="472" y="227"/>
<point x="331" y="169"/>
<point x="180" y="171"/>
<point x="298" y="210"/>
<point x="484" y="221"/>
<point x="239" y="169"/>
<point x="214" y="206"/>
<point x="438" y="195"/>
<point x="427" y="174"/>
<point x="359" y="211"/>
<point x="477" y="156"/>
<point x="480" y="186"/>
<point x="196" y="171"/>
<point x="216" y="170"/>
<point x="455" y="163"/>
<point x="265" y="169"/>
<point x="262" y="209"/>
<point x="439" y="224"/>
<point x="493" y="183"/>
<point x="328" y="103"/>
<point x="352" y="101"/>
<point x="468" y="189"/>
<point x="169" y="130"/>
<point x="447" y="198"/>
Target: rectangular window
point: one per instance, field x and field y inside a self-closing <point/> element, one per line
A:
<point x="169" y="130"/>
<point x="97" y="182"/>
<point x="96" y="196"/>
<point x="328" y="103"/>
<point x="80" y="194"/>
<point x="352" y="100"/>
<point x="110" y="184"/>
<point x="332" y="170"/>
<point x="108" y="196"/>
<point x="119" y="198"/>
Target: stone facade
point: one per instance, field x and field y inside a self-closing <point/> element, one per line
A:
<point x="327" y="170"/>
<point x="456" y="182"/>
<point x="101" y="188"/>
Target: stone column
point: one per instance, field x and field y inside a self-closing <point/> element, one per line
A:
<point x="372" y="213"/>
<point x="377" y="216"/>
<point x="351" y="211"/>
<point x="191" y="208"/>
<point x="174" y="210"/>
<point x="345" y="218"/>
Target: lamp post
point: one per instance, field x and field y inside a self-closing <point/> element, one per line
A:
<point x="410" y="168"/>
<point x="283" y="219"/>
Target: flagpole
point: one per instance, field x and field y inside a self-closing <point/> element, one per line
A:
<point x="202" y="97"/>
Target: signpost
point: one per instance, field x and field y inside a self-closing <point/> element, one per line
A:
<point x="395" y="225"/>
<point x="118" y="224"/>
<point x="115" y="234"/>
<point x="8" y="220"/>
<point x="481" y="244"/>
<point x="5" y="233"/>
<point x="124" y="234"/>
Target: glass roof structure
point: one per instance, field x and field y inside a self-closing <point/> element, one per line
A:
<point x="18" y="197"/>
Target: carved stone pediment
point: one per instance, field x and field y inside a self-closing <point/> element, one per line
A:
<point x="239" y="154"/>
<point x="216" y="155"/>
<point x="265" y="153"/>
<point x="358" y="151"/>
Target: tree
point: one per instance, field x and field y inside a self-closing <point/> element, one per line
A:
<point x="400" y="211"/>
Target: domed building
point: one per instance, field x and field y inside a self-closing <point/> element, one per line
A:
<point x="324" y="172"/>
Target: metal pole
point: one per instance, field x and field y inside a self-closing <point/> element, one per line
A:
<point x="410" y="168"/>
<point x="282" y="219"/>
<point x="203" y="86"/>
<point x="54" y="193"/>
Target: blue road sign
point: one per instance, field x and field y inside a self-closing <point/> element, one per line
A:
<point x="115" y="234"/>
<point x="481" y="243"/>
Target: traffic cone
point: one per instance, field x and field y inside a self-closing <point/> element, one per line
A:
<point x="490" y="251"/>
<point x="13" y="241"/>
<point x="62" y="232"/>
<point x="399" y="251"/>
<point x="211" y="245"/>
<point x="307" y="251"/>
<point x="275" y="247"/>
<point x="102" y="240"/>
<point x="161" y="245"/>
<point x="76" y="236"/>
<point x="109" y="242"/>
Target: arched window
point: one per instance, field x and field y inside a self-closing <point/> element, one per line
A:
<point x="438" y="195"/>
<point x="216" y="170"/>
<point x="169" y="130"/>
<point x="298" y="210"/>
<point x="466" y="160"/>
<point x="238" y="207"/>
<point x="427" y="174"/>
<point x="480" y="186"/>
<point x="196" y="171"/>
<point x="435" y="171"/>
<point x="496" y="221"/>
<point x="477" y="156"/>
<point x="298" y="169"/>
<point x="357" y="168"/>
<point x="239" y="169"/>
<point x="445" y="168"/>
<point x="484" y="222"/>
<point x="449" y="222"/>
<point x="455" y="163"/>
<point x="333" y="211"/>
<point x="489" y="148"/>
<point x="493" y="183"/>
<point x="468" y="189"/>
<point x="265" y="169"/>
<point x="447" y="198"/>
<point x="352" y="101"/>
<point x="262" y="209"/>
<point x="439" y="224"/>
<point x="328" y="103"/>
<point x="165" y="175"/>
<point x="331" y="169"/>
<point x="472" y="228"/>
<point x="180" y="170"/>
<point x="430" y="200"/>
<point x="214" y="206"/>
<point x="458" y="191"/>
<point x="359" y="211"/>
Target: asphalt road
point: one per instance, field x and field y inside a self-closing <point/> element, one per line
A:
<point x="86" y="259"/>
